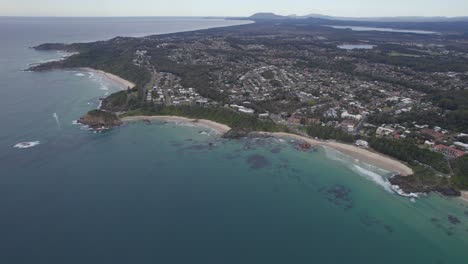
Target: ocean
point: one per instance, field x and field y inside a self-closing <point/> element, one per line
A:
<point x="177" y="193"/>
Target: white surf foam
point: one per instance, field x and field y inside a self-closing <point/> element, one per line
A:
<point x="368" y="171"/>
<point x="104" y="87"/>
<point x="56" y="117"/>
<point x="25" y="145"/>
<point x="370" y="175"/>
<point x="79" y="74"/>
<point x="398" y="190"/>
<point x="205" y="133"/>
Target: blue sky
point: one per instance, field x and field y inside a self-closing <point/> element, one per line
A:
<point x="232" y="7"/>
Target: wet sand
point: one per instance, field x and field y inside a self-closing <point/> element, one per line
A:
<point x="123" y="83"/>
<point x="364" y="155"/>
<point x="219" y="128"/>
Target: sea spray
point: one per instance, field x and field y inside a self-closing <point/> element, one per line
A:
<point x="368" y="171"/>
<point x="56" y="117"/>
<point x="25" y="145"/>
<point x="379" y="179"/>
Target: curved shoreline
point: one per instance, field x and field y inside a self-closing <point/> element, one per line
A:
<point x="219" y="128"/>
<point x="366" y="156"/>
<point x="124" y="84"/>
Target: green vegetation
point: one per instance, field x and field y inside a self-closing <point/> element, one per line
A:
<point x="406" y="150"/>
<point x="268" y="74"/>
<point x="108" y="59"/>
<point x="98" y="119"/>
<point x="105" y="116"/>
<point x="327" y="132"/>
<point x="424" y="176"/>
<point x="122" y="101"/>
<point x="425" y="180"/>
<point x="194" y="76"/>
<point x="398" y="54"/>
<point x="221" y="115"/>
<point x="453" y="120"/>
<point x="423" y="64"/>
<point x="460" y="169"/>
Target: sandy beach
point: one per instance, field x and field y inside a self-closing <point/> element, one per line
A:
<point x="219" y="128"/>
<point x="464" y="195"/>
<point x="364" y="155"/>
<point x="123" y="83"/>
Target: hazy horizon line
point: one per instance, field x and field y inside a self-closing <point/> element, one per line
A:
<point x="220" y="16"/>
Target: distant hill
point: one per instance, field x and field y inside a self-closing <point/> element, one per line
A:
<point x="260" y="16"/>
<point x="267" y="16"/>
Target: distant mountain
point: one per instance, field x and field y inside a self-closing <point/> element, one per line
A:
<point x="368" y="19"/>
<point x="267" y="16"/>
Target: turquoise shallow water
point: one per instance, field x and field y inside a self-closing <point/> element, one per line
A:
<point x="168" y="193"/>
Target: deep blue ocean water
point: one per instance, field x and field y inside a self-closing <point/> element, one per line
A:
<point x="174" y="193"/>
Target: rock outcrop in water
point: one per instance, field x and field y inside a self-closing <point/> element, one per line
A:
<point x="408" y="185"/>
<point x="98" y="119"/>
<point x="235" y="134"/>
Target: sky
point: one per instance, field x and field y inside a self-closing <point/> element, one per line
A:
<point x="352" y="8"/>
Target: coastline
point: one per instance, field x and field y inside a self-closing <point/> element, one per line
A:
<point x="364" y="155"/>
<point x="124" y="84"/>
<point x="464" y="196"/>
<point x="373" y="158"/>
<point x="219" y="128"/>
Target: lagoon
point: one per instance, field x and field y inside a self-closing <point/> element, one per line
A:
<point x="357" y="28"/>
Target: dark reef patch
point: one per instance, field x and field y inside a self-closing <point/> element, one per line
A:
<point x="369" y="220"/>
<point x="199" y="147"/>
<point x="276" y="150"/>
<point x="339" y="195"/>
<point x="453" y="220"/>
<point x="283" y="164"/>
<point x="449" y="231"/>
<point x="176" y="143"/>
<point x="231" y="156"/>
<point x="388" y="228"/>
<point x="295" y="178"/>
<point x="258" y="162"/>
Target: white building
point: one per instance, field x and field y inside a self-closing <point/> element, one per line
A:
<point x="383" y="131"/>
<point x="346" y="115"/>
<point x="461" y="145"/>
<point x="362" y="143"/>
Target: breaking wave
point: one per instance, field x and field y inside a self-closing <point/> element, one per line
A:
<point x="25" y="145"/>
<point x="55" y="115"/>
<point x="370" y="175"/>
<point x="375" y="174"/>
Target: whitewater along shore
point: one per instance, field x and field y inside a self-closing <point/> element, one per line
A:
<point x="363" y="155"/>
<point x="122" y="82"/>
<point x="465" y="195"/>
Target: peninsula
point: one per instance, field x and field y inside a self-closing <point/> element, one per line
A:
<point x="398" y="92"/>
